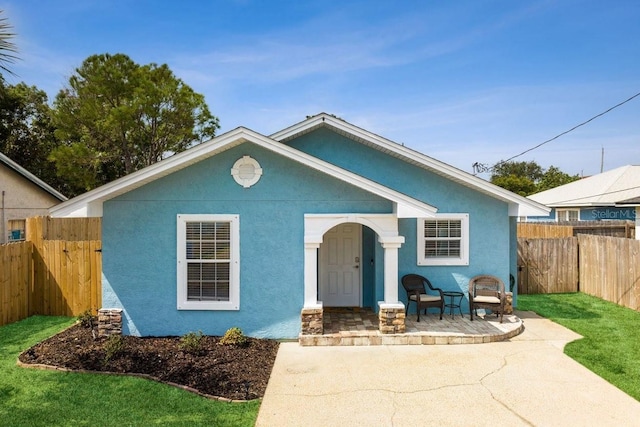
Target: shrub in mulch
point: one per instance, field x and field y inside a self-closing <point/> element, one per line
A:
<point x="196" y="362"/>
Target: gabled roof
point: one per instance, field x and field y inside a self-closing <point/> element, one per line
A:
<point x="605" y="189"/>
<point x="31" y="177"/>
<point x="90" y="203"/>
<point x="518" y="205"/>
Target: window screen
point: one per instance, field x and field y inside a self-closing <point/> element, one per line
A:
<point x="442" y="238"/>
<point x="208" y="254"/>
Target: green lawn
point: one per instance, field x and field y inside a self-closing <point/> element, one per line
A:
<point x="30" y="397"/>
<point x="611" y="343"/>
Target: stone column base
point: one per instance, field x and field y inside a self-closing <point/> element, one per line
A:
<point x="109" y="322"/>
<point x="311" y="321"/>
<point x="508" y="303"/>
<point x="391" y="320"/>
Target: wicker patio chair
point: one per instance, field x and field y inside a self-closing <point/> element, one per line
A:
<point x="487" y="292"/>
<point x="416" y="287"/>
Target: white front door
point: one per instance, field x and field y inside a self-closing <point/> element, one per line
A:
<point x="340" y="277"/>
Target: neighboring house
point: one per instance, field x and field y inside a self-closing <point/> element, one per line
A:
<point x="23" y="195"/>
<point x="612" y="195"/>
<point x="252" y="231"/>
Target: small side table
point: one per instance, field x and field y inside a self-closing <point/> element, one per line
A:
<point x="455" y="301"/>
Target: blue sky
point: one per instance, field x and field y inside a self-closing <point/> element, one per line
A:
<point x="461" y="81"/>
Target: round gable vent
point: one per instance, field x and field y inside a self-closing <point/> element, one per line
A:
<point x="246" y="171"/>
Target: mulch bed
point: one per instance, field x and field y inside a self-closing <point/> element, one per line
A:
<point x="235" y="372"/>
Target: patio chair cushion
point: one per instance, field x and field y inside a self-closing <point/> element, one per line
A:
<point x="486" y="299"/>
<point x="486" y="291"/>
<point x="425" y="297"/>
<point x="416" y="288"/>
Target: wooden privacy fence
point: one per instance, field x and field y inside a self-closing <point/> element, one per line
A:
<point x="552" y="230"/>
<point x="46" y="228"/>
<point x="16" y="268"/>
<point x="548" y="266"/>
<point x="533" y="230"/>
<point x="610" y="269"/>
<point x="602" y="266"/>
<point x="61" y="277"/>
<point x="68" y="277"/>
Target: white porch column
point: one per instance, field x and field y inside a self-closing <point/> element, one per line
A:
<point x="311" y="275"/>
<point x="391" y="315"/>
<point x="385" y="226"/>
<point x="391" y="246"/>
<point x="637" y="222"/>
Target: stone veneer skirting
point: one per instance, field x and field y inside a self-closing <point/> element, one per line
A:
<point x="109" y="322"/>
<point x="508" y="303"/>
<point x="311" y="321"/>
<point x="392" y="320"/>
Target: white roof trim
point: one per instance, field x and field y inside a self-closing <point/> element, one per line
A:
<point x="90" y="203"/>
<point x="601" y="190"/>
<point x="518" y="205"/>
<point x="31" y="177"/>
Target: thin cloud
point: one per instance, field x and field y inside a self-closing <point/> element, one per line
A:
<point x="298" y="53"/>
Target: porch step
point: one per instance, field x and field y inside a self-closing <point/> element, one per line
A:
<point x="477" y="332"/>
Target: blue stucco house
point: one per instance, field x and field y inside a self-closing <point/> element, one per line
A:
<point x="252" y="231"/>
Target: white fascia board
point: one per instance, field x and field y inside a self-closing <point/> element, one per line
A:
<point x="405" y="205"/>
<point x="300" y="127"/>
<point x="422" y="159"/>
<point x="90" y="203"/>
<point x="97" y="196"/>
<point x="527" y="210"/>
<point x="403" y="210"/>
<point x="572" y="204"/>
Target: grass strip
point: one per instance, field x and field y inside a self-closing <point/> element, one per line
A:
<point x="611" y="343"/>
<point x="30" y="397"/>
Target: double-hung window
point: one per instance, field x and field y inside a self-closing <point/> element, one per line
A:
<point x="208" y="262"/>
<point x="567" y="215"/>
<point x="443" y="240"/>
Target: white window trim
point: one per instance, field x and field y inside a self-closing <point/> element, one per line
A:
<point x="234" y="280"/>
<point x="464" y="247"/>
<point x="567" y="211"/>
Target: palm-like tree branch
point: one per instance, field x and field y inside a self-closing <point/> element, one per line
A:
<point x="7" y="47"/>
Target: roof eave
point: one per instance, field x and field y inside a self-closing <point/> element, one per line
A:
<point x="31" y="177"/>
<point x="90" y="203"/>
<point x="429" y="163"/>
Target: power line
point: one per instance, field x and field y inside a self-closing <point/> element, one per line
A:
<point x="483" y="168"/>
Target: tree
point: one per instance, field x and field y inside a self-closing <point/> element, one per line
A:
<point x="26" y="131"/>
<point x="530" y="170"/>
<point x="7" y="47"/>
<point x="553" y="178"/>
<point x="521" y="185"/>
<point x="117" y="117"/>
<point x="526" y="178"/>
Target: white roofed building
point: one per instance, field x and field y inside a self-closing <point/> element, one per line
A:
<point x="611" y="195"/>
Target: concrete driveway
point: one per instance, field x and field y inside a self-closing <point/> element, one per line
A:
<point x="526" y="381"/>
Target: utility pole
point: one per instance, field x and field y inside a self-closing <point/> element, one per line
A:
<point x="602" y="161"/>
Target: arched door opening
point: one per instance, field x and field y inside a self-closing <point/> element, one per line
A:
<point x="385" y="227"/>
